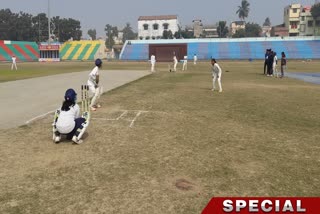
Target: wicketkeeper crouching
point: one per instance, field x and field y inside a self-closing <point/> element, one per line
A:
<point x="67" y="120"/>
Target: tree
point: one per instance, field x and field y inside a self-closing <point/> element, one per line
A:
<point x="183" y="34"/>
<point x="167" y="34"/>
<point x="111" y="32"/>
<point x="25" y="27"/>
<point x="267" y="22"/>
<point x="243" y="10"/>
<point x="16" y="26"/>
<point x="222" y="29"/>
<point x="128" y="33"/>
<point x="92" y="33"/>
<point x="315" y="12"/>
<point x="40" y="26"/>
<point x="69" y="28"/>
<point x="241" y="33"/>
<point x="7" y="22"/>
<point x="253" y="30"/>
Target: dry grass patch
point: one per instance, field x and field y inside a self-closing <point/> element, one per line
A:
<point x="260" y="137"/>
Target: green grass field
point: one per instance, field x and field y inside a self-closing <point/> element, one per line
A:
<point x="260" y="137"/>
<point x="38" y="69"/>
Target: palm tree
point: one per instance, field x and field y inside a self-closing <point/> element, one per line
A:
<point x="243" y="10"/>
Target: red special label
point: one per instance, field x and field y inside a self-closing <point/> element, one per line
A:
<point x="263" y="205"/>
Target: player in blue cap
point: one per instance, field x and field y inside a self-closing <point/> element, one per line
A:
<point x="94" y="87"/>
<point x="67" y="119"/>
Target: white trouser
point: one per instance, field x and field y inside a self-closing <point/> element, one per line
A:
<point x="218" y="78"/>
<point x="152" y="66"/>
<point x="275" y="70"/>
<point x="175" y="66"/>
<point x="15" y="65"/>
<point x="185" y="66"/>
<point x="96" y="94"/>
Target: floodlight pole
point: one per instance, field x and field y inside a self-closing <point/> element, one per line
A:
<point x="49" y="22"/>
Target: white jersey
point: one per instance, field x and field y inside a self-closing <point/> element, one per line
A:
<point x="92" y="81"/>
<point x="153" y="59"/>
<point x="195" y="58"/>
<point x="185" y="58"/>
<point x="216" y="70"/>
<point x="275" y="59"/>
<point x="14" y="60"/>
<point x="175" y="59"/>
<point x="66" y="123"/>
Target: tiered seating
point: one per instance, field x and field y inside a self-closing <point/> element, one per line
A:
<point x="24" y="51"/>
<point x="250" y="48"/>
<point x="296" y="49"/>
<point x="314" y="46"/>
<point x="79" y="50"/>
<point x="136" y="52"/>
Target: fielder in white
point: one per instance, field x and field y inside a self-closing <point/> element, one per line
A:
<point x="93" y="83"/>
<point x="185" y="63"/>
<point x="153" y="62"/>
<point x="175" y="62"/>
<point x="216" y="75"/>
<point x="14" y="62"/>
<point x="195" y="59"/>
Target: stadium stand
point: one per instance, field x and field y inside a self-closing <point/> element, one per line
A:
<point x="24" y="51"/>
<point x="136" y="52"/>
<point x="245" y="48"/>
<point x="81" y="50"/>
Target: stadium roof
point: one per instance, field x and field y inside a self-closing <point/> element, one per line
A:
<point x="164" y="17"/>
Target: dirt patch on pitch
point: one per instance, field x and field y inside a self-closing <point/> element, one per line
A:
<point x="184" y="185"/>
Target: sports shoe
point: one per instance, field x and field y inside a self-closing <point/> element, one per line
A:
<point x="93" y="109"/>
<point x="57" y="139"/>
<point x="220" y="91"/>
<point x="98" y="106"/>
<point x="212" y="89"/>
<point x="75" y="140"/>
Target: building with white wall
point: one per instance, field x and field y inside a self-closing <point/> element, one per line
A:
<point x="306" y="22"/>
<point x="237" y="25"/>
<point x="299" y="21"/>
<point x="292" y="18"/>
<point x="152" y="27"/>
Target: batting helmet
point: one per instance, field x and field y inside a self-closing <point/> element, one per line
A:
<point x="98" y="62"/>
<point x="70" y="95"/>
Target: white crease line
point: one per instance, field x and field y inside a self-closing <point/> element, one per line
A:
<point x="40" y="116"/>
<point x="95" y="118"/>
<point x="124" y="113"/>
<point x="135" y="110"/>
<point x="134" y="119"/>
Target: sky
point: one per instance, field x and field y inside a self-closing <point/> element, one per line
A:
<point x="95" y="14"/>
